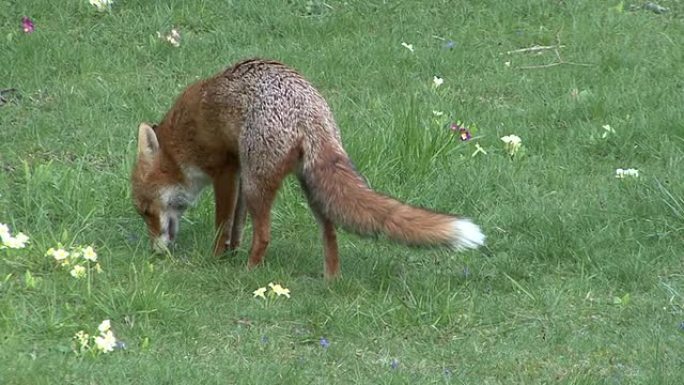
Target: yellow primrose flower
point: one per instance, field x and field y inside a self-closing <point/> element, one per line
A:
<point x="8" y="241"/>
<point x="630" y="172"/>
<point x="22" y="238"/>
<point x="279" y="290"/>
<point x="437" y="113"/>
<point x="174" y="38"/>
<point x="101" y="5"/>
<point x="4" y="231"/>
<point x="512" y="143"/>
<point x="407" y="46"/>
<point x="259" y="292"/>
<point x="89" y="254"/>
<point x="106" y="342"/>
<point x="437" y="81"/>
<point x="59" y="254"/>
<point x="82" y="338"/>
<point x="11" y="243"/>
<point x="98" y="268"/>
<point x="18" y="242"/>
<point x="78" y="271"/>
<point x="607" y="130"/>
<point x="104" y="326"/>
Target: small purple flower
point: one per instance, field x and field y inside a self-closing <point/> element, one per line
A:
<point x="450" y="44"/>
<point x="447" y="372"/>
<point x="27" y="24"/>
<point x="394" y="364"/>
<point x="465" y="272"/>
<point x="264" y="340"/>
<point x="463" y="132"/>
<point x="120" y="345"/>
<point x="324" y="343"/>
<point x="681" y="326"/>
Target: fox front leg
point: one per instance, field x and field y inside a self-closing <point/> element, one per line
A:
<point x="225" y="197"/>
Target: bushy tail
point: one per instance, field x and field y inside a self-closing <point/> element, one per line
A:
<point x="336" y="189"/>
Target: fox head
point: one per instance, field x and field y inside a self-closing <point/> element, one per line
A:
<point x="158" y="190"/>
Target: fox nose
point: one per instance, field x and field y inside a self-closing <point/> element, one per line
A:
<point x="160" y="244"/>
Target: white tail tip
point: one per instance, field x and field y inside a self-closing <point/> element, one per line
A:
<point x="467" y="235"/>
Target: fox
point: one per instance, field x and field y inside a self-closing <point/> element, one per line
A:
<point x="243" y="131"/>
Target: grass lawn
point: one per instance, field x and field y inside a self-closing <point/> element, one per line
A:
<point x="582" y="278"/>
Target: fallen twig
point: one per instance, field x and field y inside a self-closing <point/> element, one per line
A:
<point x="556" y="50"/>
<point x="553" y="65"/>
<point x="535" y="48"/>
<point x="649" y="6"/>
<point x="2" y="94"/>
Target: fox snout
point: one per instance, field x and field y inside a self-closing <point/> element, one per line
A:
<point x="162" y="225"/>
<point x="168" y="229"/>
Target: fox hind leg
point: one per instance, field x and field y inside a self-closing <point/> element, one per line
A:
<point x="259" y="199"/>
<point x="225" y="197"/>
<point x="238" y="220"/>
<point x="260" y="184"/>
<point x="332" y="260"/>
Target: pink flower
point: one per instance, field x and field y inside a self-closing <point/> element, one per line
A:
<point x="463" y="132"/>
<point x="27" y="24"/>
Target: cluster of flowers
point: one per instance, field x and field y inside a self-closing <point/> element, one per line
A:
<point x="512" y="143"/>
<point x="79" y="259"/>
<point x="626" y="173"/>
<point x="7" y="241"/>
<point x="276" y="290"/>
<point x="101" y="5"/>
<point x="607" y="131"/>
<point x="463" y="132"/>
<point x="172" y="37"/>
<point x="106" y="342"/>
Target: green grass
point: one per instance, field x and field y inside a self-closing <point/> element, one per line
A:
<point x="537" y="305"/>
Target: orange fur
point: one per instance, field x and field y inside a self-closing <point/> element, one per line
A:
<point x="243" y="131"/>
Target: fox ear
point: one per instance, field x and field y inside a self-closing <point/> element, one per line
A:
<point x="148" y="145"/>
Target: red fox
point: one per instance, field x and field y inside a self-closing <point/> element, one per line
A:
<point x="245" y="129"/>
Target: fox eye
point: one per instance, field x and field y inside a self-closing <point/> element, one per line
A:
<point x="180" y="206"/>
<point x="178" y="203"/>
<point x="144" y="211"/>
